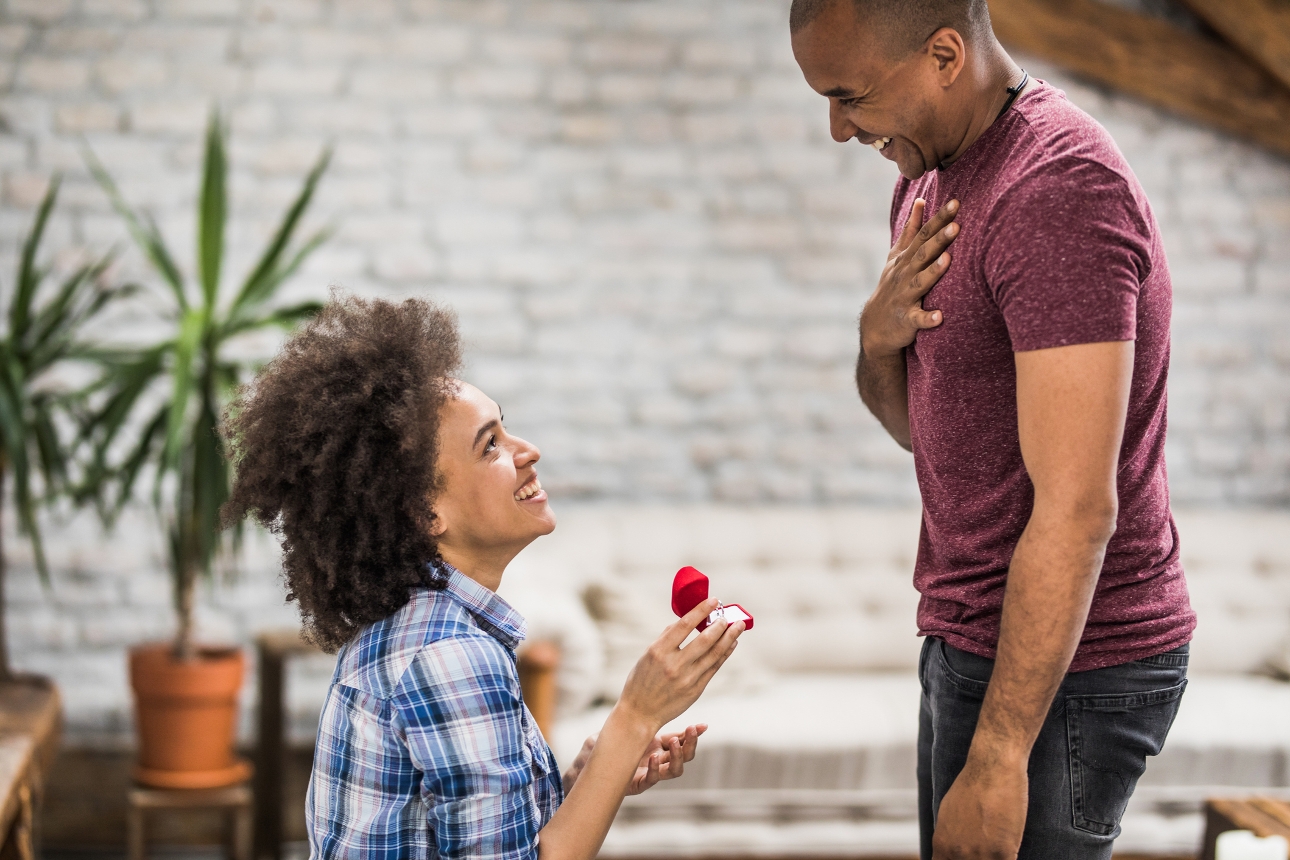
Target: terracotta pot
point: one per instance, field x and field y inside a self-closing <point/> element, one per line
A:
<point x="187" y="712"/>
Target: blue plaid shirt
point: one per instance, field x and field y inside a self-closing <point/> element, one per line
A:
<point x="425" y="748"/>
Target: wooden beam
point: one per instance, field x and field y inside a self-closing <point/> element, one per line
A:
<point x="1260" y="28"/>
<point x="1191" y="75"/>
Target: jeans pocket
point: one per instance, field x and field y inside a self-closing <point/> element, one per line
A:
<point x="1110" y="738"/>
<point x="966" y="672"/>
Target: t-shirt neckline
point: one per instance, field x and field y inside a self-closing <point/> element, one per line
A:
<point x="996" y="128"/>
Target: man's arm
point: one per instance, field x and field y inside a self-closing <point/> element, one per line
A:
<point x="1071" y="406"/>
<point x="894" y="314"/>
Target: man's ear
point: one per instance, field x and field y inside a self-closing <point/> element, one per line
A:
<point x="438" y="525"/>
<point x="948" y="52"/>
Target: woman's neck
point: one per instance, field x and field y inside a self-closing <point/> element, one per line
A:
<point x="484" y="567"/>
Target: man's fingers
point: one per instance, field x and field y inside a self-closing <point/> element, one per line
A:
<point x="912" y="225"/>
<point x="939" y="221"/>
<point x="931" y="250"/>
<point x="927" y="278"/>
<point x="925" y="319"/>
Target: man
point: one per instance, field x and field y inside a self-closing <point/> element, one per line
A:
<point x="1027" y="376"/>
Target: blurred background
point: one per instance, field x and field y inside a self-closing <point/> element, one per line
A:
<point x="657" y="255"/>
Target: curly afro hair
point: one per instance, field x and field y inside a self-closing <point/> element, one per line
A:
<point x="334" y="446"/>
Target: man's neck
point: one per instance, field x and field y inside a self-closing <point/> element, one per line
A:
<point x="995" y="73"/>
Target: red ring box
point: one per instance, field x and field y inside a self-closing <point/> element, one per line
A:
<point x="690" y="588"/>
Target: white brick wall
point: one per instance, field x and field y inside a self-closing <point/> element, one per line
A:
<point x="656" y="250"/>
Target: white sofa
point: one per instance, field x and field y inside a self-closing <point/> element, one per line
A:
<point x="814" y="721"/>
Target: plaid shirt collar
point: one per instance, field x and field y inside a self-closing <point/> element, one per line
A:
<point x="494" y="614"/>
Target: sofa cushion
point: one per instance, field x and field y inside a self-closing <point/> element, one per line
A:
<point x="860" y="731"/>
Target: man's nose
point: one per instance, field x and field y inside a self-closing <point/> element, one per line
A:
<point x="840" y="127"/>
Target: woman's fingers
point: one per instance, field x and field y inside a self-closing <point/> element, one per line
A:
<point x="676" y="632"/>
<point x="675" y="759"/>
<point x="723" y="646"/>
<point x="652" y="774"/>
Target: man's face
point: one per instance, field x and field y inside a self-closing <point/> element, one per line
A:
<point x="873" y="92"/>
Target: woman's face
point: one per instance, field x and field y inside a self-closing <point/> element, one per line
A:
<point x="490" y="505"/>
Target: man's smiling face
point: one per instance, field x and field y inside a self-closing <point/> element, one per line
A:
<point x="875" y="95"/>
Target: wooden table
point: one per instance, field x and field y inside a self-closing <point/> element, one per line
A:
<point x="30" y="726"/>
<point x="1262" y="815"/>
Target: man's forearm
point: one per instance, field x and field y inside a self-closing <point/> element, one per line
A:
<point x="1051" y="581"/>
<point x="883" y="386"/>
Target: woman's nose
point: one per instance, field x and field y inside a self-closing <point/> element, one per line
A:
<point x="526" y="453"/>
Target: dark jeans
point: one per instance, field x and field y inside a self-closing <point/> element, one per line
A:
<point x="1086" y="763"/>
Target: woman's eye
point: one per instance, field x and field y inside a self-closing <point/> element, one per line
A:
<point x="490" y="445"/>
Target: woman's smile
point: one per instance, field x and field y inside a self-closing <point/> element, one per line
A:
<point x="531" y="492"/>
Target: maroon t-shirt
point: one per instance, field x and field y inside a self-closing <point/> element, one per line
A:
<point x="1058" y="246"/>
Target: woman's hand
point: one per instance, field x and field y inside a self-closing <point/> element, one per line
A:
<point x="624" y="758"/>
<point x="664" y="759"/>
<point x="669" y="678"/>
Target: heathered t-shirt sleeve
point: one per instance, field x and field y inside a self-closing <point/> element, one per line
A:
<point x="1071" y="249"/>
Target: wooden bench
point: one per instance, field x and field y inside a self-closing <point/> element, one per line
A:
<point x="30" y="725"/>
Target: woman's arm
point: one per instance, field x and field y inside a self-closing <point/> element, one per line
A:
<point x="665" y="758"/>
<point x="664" y="683"/>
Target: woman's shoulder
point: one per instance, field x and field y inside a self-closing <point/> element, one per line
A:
<point x="430" y="625"/>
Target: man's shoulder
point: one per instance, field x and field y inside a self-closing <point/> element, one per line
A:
<point x="1056" y="136"/>
<point x="377" y="659"/>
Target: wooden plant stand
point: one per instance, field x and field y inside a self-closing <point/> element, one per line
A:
<point x="234" y="801"/>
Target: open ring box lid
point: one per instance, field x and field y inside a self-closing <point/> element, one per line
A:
<point x="690" y="588"/>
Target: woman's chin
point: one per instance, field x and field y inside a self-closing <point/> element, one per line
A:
<point x="537" y="507"/>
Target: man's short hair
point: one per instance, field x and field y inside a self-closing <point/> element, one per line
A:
<point x="904" y="24"/>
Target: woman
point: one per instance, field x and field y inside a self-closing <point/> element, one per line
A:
<point x="400" y="498"/>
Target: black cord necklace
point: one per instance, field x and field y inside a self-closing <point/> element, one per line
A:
<point x="1013" y="92"/>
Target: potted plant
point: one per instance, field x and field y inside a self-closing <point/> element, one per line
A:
<point x="44" y="331"/>
<point x="186" y="694"/>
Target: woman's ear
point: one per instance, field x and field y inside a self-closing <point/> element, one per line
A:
<point x="438" y="525"/>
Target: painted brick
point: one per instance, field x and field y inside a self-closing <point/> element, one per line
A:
<point x="122" y="74"/>
<point x="638" y="213"/>
<point x="45" y="11"/>
<point x="48" y="75"/>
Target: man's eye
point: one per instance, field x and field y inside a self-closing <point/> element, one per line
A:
<point x="491" y="444"/>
